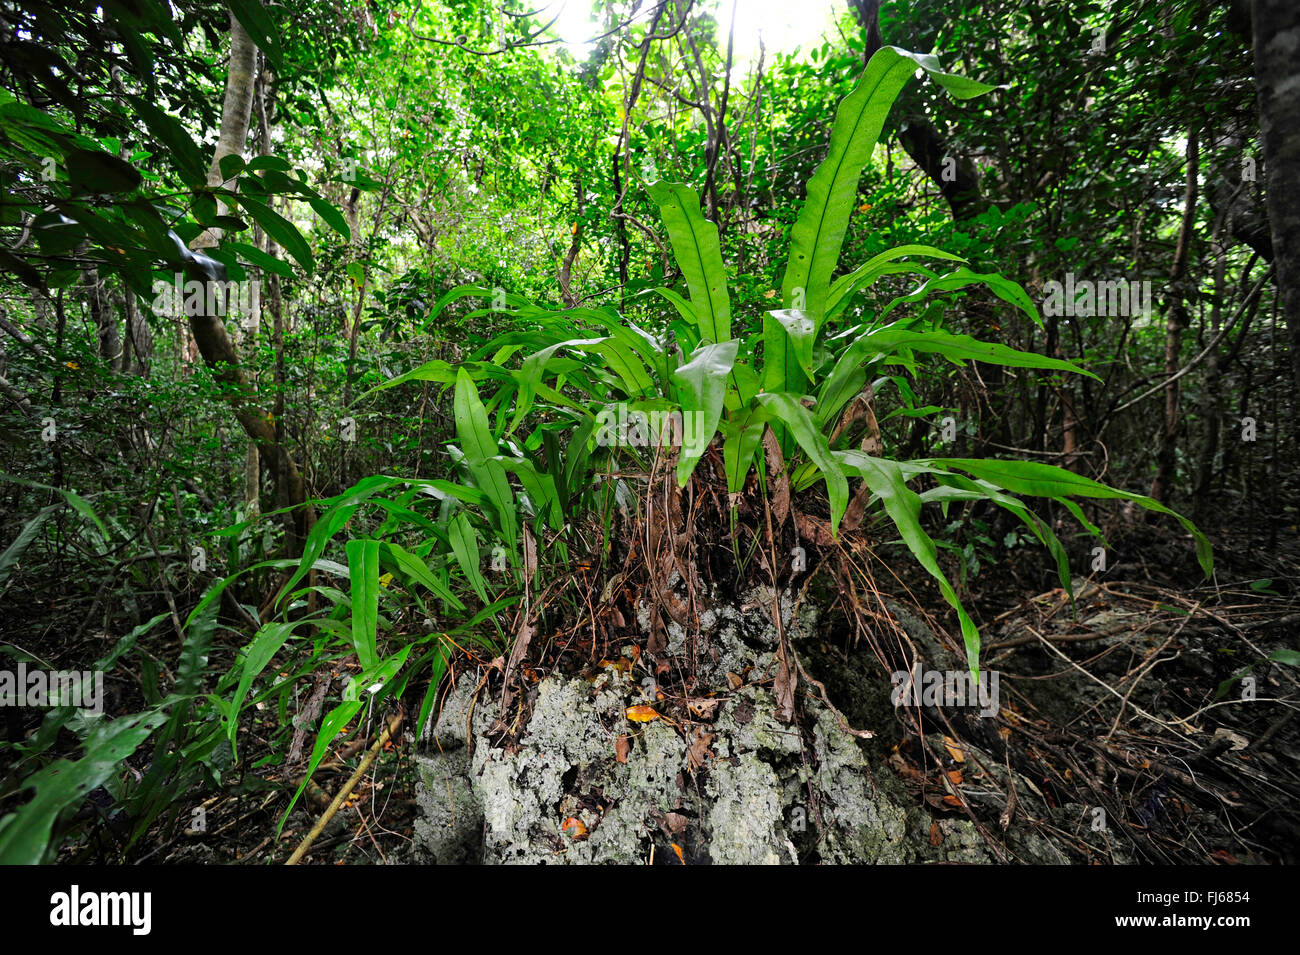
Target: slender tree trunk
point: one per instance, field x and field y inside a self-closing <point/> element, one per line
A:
<point x="1177" y="320"/>
<point x="141" y="335"/>
<point x="1212" y="390"/>
<point x="110" y="340"/>
<point x="1277" y="75"/>
<point x="868" y="15"/>
<point x="209" y="331"/>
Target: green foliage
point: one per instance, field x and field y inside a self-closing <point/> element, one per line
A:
<point x="716" y="389"/>
<point x="475" y="174"/>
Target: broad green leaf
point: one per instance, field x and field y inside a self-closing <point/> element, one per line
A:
<point x="265" y="645"/>
<point x="230" y="165"/>
<point x="278" y="163"/>
<point x="801" y="331"/>
<point x="683" y="307"/>
<point x="464" y="544"/>
<point x="741" y="440"/>
<point x="332" y="216"/>
<point x="702" y="384"/>
<point x="781" y="370"/>
<point x="419" y="571"/>
<point x="959" y="487"/>
<point x="796" y="417"/>
<point x="255" y="256"/>
<point x="363" y="575"/>
<point x="959" y="348"/>
<point x="624" y="362"/>
<point x="480" y="447"/>
<point x="848" y="285"/>
<point x="1003" y="288"/>
<point x="886" y="480"/>
<point x="75" y="501"/>
<point x="15" y="550"/>
<point x="695" y="247"/>
<point x="25" y="836"/>
<point x="338" y="512"/>
<point x="1047" y="480"/>
<point x="100" y="172"/>
<point x="184" y="152"/>
<point x="280" y="229"/>
<point x="333" y="724"/>
<point x="818" y="233"/>
<point x="254" y="18"/>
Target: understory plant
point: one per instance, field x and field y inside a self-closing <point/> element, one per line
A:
<point x="800" y="371"/>
<point x="556" y="417"/>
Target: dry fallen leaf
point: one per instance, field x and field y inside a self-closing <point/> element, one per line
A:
<point x="936" y="834"/>
<point x="702" y="708"/>
<point x="735" y="681"/>
<point x="622" y="746"/>
<point x="699" y="750"/>
<point x="786" y="682"/>
<point x="954" y="750"/>
<point x="678" y="849"/>
<point x="575" y="828"/>
<point x="642" y="714"/>
<point x="955" y="777"/>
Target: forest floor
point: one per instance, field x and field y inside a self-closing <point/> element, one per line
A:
<point x="1154" y="703"/>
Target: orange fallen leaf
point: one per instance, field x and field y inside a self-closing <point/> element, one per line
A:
<point x="953" y="801"/>
<point x="954" y="750"/>
<point x="955" y="777"/>
<point x="575" y="827"/>
<point x="642" y="714"/>
<point x="678" y="849"/>
<point x="936" y="834"/>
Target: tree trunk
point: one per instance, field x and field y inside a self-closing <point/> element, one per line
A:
<point x="1212" y="391"/>
<point x="141" y="336"/>
<point x="209" y="331"/>
<point x="101" y="313"/>
<point x="1177" y="320"/>
<point x="1277" y="75"/>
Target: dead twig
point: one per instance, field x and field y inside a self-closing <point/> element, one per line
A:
<point x="346" y="791"/>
